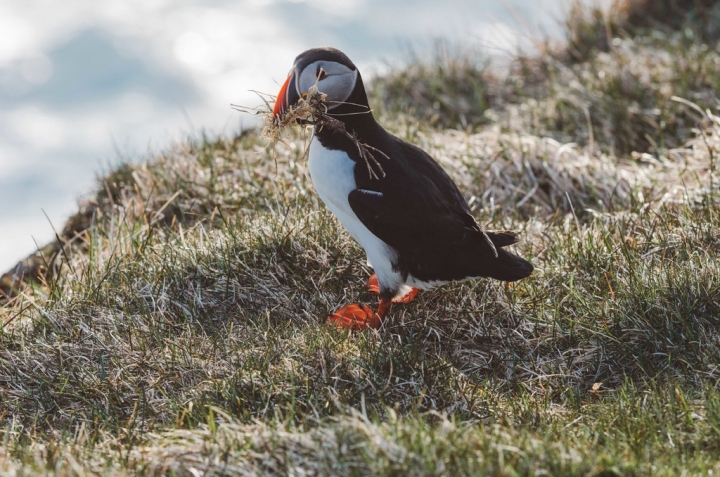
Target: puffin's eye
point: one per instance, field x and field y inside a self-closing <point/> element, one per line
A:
<point x="320" y="73"/>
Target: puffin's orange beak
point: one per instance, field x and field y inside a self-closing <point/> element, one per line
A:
<point x="286" y="97"/>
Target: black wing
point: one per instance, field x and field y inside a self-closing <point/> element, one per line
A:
<point x="418" y="210"/>
<point x="410" y="227"/>
<point x="416" y="205"/>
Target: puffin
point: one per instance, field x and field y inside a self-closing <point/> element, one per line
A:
<point x="400" y="205"/>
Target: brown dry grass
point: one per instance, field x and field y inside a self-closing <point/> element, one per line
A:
<point x="609" y="85"/>
<point x="182" y="329"/>
<point x="204" y="282"/>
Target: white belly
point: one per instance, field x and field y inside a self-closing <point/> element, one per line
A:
<point x="333" y="175"/>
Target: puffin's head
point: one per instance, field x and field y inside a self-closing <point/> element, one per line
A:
<point x="333" y="72"/>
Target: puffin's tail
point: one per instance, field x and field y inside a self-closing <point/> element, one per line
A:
<point x="507" y="266"/>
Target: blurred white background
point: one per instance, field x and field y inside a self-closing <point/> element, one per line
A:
<point x="85" y="84"/>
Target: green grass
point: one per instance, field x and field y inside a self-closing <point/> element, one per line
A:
<point x="180" y="329"/>
<point x="655" y="432"/>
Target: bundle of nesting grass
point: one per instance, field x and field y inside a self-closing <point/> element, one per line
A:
<point x="312" y="109"/>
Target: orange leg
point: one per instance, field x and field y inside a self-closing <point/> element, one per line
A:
<point x="359" y="317"/>
<point x="372" y="284"/>
<point x="374" y="287"/>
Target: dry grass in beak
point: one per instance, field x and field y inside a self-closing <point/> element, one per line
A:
<point x="312" y="109"/>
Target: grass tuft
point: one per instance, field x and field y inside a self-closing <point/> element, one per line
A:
<point x="610" y="85"/>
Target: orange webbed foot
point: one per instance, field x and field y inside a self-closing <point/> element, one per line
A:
<point x="354" y="317"/>
<point x="374" y="287"/>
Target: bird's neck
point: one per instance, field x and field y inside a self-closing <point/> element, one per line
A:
<point x="355" y="115"/>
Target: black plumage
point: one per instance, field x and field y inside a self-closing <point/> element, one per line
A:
<point x="421" y="212"/>
<point x="408" y="202"/>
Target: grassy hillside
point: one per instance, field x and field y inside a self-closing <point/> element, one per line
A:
<point x="177" y="326"/>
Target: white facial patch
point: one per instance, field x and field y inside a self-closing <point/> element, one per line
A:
<point x="333" y="79"/>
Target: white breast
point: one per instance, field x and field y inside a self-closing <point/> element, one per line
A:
<point x="333" y="175"/>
